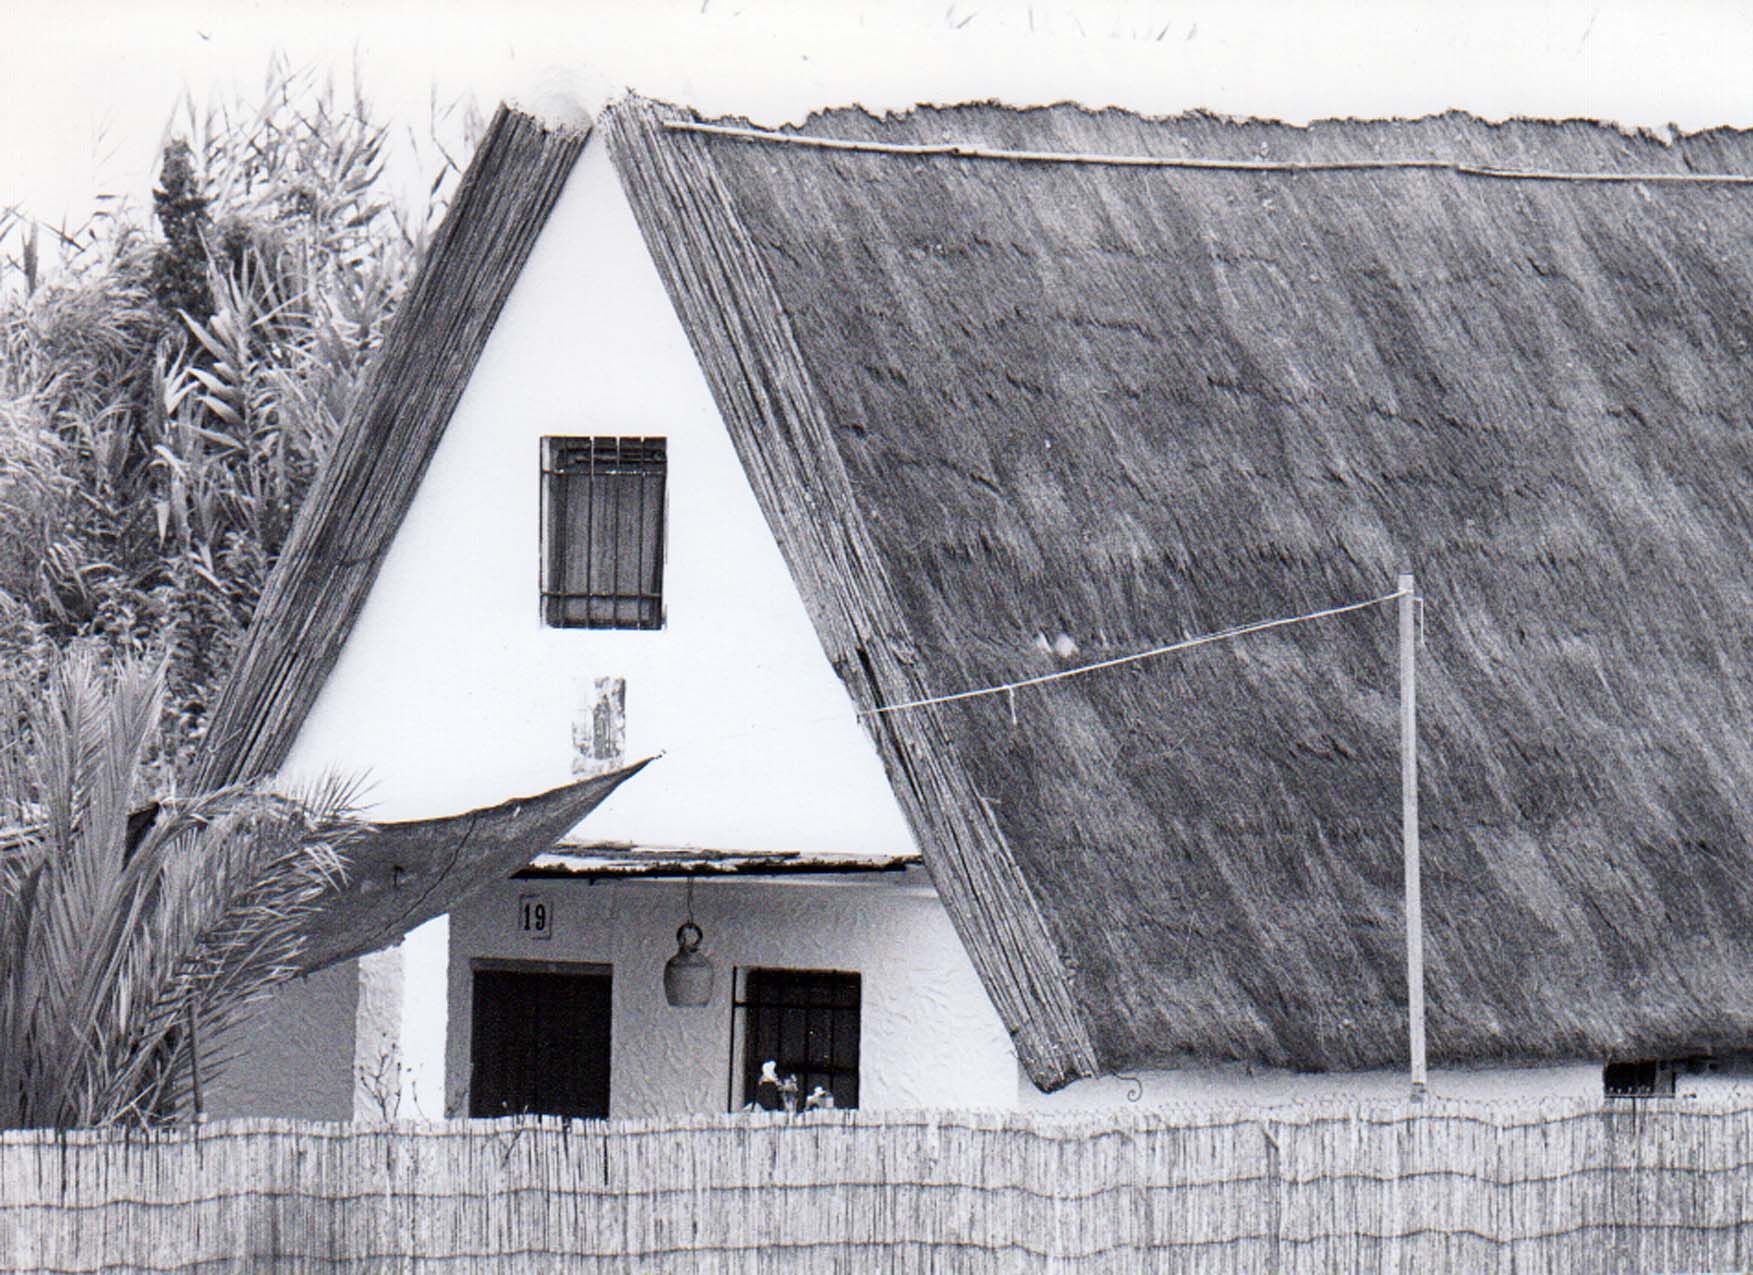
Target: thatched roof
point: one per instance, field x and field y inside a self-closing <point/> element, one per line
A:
<point x="985" y="401"/>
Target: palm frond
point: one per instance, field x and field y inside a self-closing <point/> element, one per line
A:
<point x="125" y="950"/>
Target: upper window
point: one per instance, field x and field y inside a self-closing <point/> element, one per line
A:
<point x="602" y="532"/>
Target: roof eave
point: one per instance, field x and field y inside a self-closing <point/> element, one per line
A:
<point x="345" y="526"/>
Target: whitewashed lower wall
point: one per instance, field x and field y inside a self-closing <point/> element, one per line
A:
<point x="929" y="1036"/>
<point x="294" y="1056"/>
<point x="1269" y="1086"/>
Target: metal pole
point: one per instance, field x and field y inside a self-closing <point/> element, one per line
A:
<point x="1409" y="830"/>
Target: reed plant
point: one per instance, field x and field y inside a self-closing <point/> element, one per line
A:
<point x="167" y="392"/>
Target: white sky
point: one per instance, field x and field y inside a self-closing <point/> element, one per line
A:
<point x="86" y="86"/>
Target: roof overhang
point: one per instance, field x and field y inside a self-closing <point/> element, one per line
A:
<point x="604" y="860"/>
<point x="400" y="875"/>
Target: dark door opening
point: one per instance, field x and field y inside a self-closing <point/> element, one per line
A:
<point x="539" y="1042"/>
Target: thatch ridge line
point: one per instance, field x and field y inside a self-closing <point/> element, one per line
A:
<point x="745" y="346"/>
<point x="346" y="525"/>
<point x="1185" y="644"/>
<point x="963" y="150"/>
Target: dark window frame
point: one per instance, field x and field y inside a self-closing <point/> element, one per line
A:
<point x="1644" y="1078"/>
<point x="785" y="999"/>
<point x="589" y="579"/>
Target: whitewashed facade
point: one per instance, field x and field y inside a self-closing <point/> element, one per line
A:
<point x="451" y="694"/>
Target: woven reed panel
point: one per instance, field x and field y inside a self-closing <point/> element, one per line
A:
<point x="1547" y="1187"/>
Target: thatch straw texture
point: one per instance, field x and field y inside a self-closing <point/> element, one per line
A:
<point x="757" y="374"/>
<point x="359" y="500"/>
<point x="984" y="401"/>
<point x="1550" y="1188"/>
<point x="400" y="875"/>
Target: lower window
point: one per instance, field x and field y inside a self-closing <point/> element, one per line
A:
<point x="806" y="1024"/>
<point x="1653" y="1079"/>
<point x="539" y="1040"/>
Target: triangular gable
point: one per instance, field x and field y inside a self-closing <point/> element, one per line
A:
<point x="454" y="689"/>
<point x="353" y="511"/>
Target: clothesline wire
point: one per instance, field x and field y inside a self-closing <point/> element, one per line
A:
<point x="1010" y="689"/>
<point x="1185" y="644"/>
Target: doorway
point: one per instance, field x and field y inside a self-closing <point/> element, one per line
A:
<point x="539" y="1040"/>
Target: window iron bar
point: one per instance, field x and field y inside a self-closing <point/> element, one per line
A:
<point x="638" y="537"/>
<point x="661" y="542"/>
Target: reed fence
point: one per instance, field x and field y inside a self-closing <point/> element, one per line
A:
<point x="1558" y="1187"/>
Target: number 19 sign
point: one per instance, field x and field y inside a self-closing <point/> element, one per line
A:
<point x="535" y="916"/>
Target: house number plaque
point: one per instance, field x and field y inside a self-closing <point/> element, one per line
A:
<point x="535" y="916"/>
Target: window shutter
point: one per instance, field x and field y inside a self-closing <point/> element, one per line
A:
<point x="603" y="545"/>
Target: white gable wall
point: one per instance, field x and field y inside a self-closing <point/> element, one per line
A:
<point x="452" y="694"/>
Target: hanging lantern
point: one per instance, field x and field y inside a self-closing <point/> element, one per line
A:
<point x="687" y="976"/>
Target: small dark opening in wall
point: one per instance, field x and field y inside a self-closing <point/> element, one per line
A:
<point x="1648" y="1079"/>
<point x="540" y="1039"/>
<point x="603" y="532"/>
